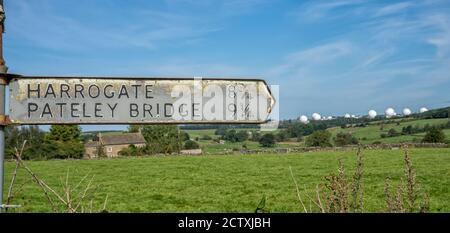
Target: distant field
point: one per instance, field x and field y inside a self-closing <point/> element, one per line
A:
<point x="371" y="133"/>
<point x="233" y="183"/>
<point x="366" y="135"/>
<point x="210" y="132"/>
<point x="193" y="133"/>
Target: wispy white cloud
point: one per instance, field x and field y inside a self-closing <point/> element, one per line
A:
<point x="42" y="26"/>
<point x="384" y="65"/>
<point x="393" y="8"/>
<point x="318" y="10"/>
<point x="441" y="40"/>
<point x="312" y="57"/>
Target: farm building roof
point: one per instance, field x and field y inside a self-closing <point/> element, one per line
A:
<point x="118" y="139"/>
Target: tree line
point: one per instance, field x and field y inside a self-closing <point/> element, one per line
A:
<point x="61" y="142"/>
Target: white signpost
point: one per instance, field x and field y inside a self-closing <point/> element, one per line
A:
<point x="107" y="100"/>
<point x="75" y="100"/>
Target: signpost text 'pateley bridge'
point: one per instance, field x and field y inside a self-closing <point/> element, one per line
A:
<point x="77" y="100"/>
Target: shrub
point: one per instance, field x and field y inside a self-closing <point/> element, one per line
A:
<point x="393" y="133"/>
<point x="184" y="136"/>
<point x="162" y="139"/>
<point x="343" y="139"/>
<point x="255" y="135"/>
<point x="241" y="135"/>
<point x="206" y="137"/>
<point x="189" y="144"/>
<point x="233" y="136"/>
<point x="220" y="131"/>
<point x="267" y="140"/>
<point x="282" y="135"/>
<point x="320" y="138"/>
<point x="407" y="130"/>
<point x="131" y="150"/>
<point x="434" y="135"/>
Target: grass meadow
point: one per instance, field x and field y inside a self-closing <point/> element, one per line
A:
<point x="230" y="183"/>
<point x="373" y="131"/>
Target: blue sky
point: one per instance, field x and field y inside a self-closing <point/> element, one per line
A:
<point x="330" y="57"/>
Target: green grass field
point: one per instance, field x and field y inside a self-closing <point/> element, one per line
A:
<point x="232" y="183"/>
<point x="372" y="132"/>
<point x="366" y="135"/>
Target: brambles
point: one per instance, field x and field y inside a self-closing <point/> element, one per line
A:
<point x="434" y="135"/>
<point x="319" y="138"/>
<point x="74" y="198"/>
<point x="357" y="194"/>
<point x="189" y="144"/>
<point x="267" y="140"/>
<point x="343" y="139"/>
<point x="339" y="194"/>
<point x="406" y="196"/>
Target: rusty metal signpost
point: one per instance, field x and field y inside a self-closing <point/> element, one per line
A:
<point x="3" y="70"/>
<point x="109" y="100"/>
<point x="83" y="100"/>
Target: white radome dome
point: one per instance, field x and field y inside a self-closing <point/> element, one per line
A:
<point x="316" y="116"/>
<point x="390" y="112"/>
<point x="407" y="112"/>
<point x="329" y="118"/>
<point x="372" y="114"/>
<point x="353" y="116"/>
<point x="304" y="119"/>
<point x="347" y="115"/>
<point x="423" y="109"/>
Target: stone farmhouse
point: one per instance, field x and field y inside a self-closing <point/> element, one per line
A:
<point x="113" y="143"/>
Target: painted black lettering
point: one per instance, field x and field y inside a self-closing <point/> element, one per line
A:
<point x="84" y="111"/>
<point x="32" y="107"/>
<point x="94" y="89"/>
<point x="112" y="109"/>
<point x="79" y="88"/>
<point x="60" y="108"/>
<point x="111" y="94"/>
<point x="180" y="110"/>
<point x="134" y="111"/>
<point x="148" y="91"/>
<point x="148" y="108"/>
<point x="136" y="90"/>
<point x="194" y="109"/>
<point x="74" y="109"/>
<point x="166" y="112"/>
<point x="123" y="91"/>
<point x="64" y="89"/>
<point x="46" y="110"/>
<point x="50" y="91"/>
<point x="97" y="109"/>
<point x="38" y="90"/>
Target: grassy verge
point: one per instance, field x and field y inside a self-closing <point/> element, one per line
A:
<point x="232" y="183"/>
